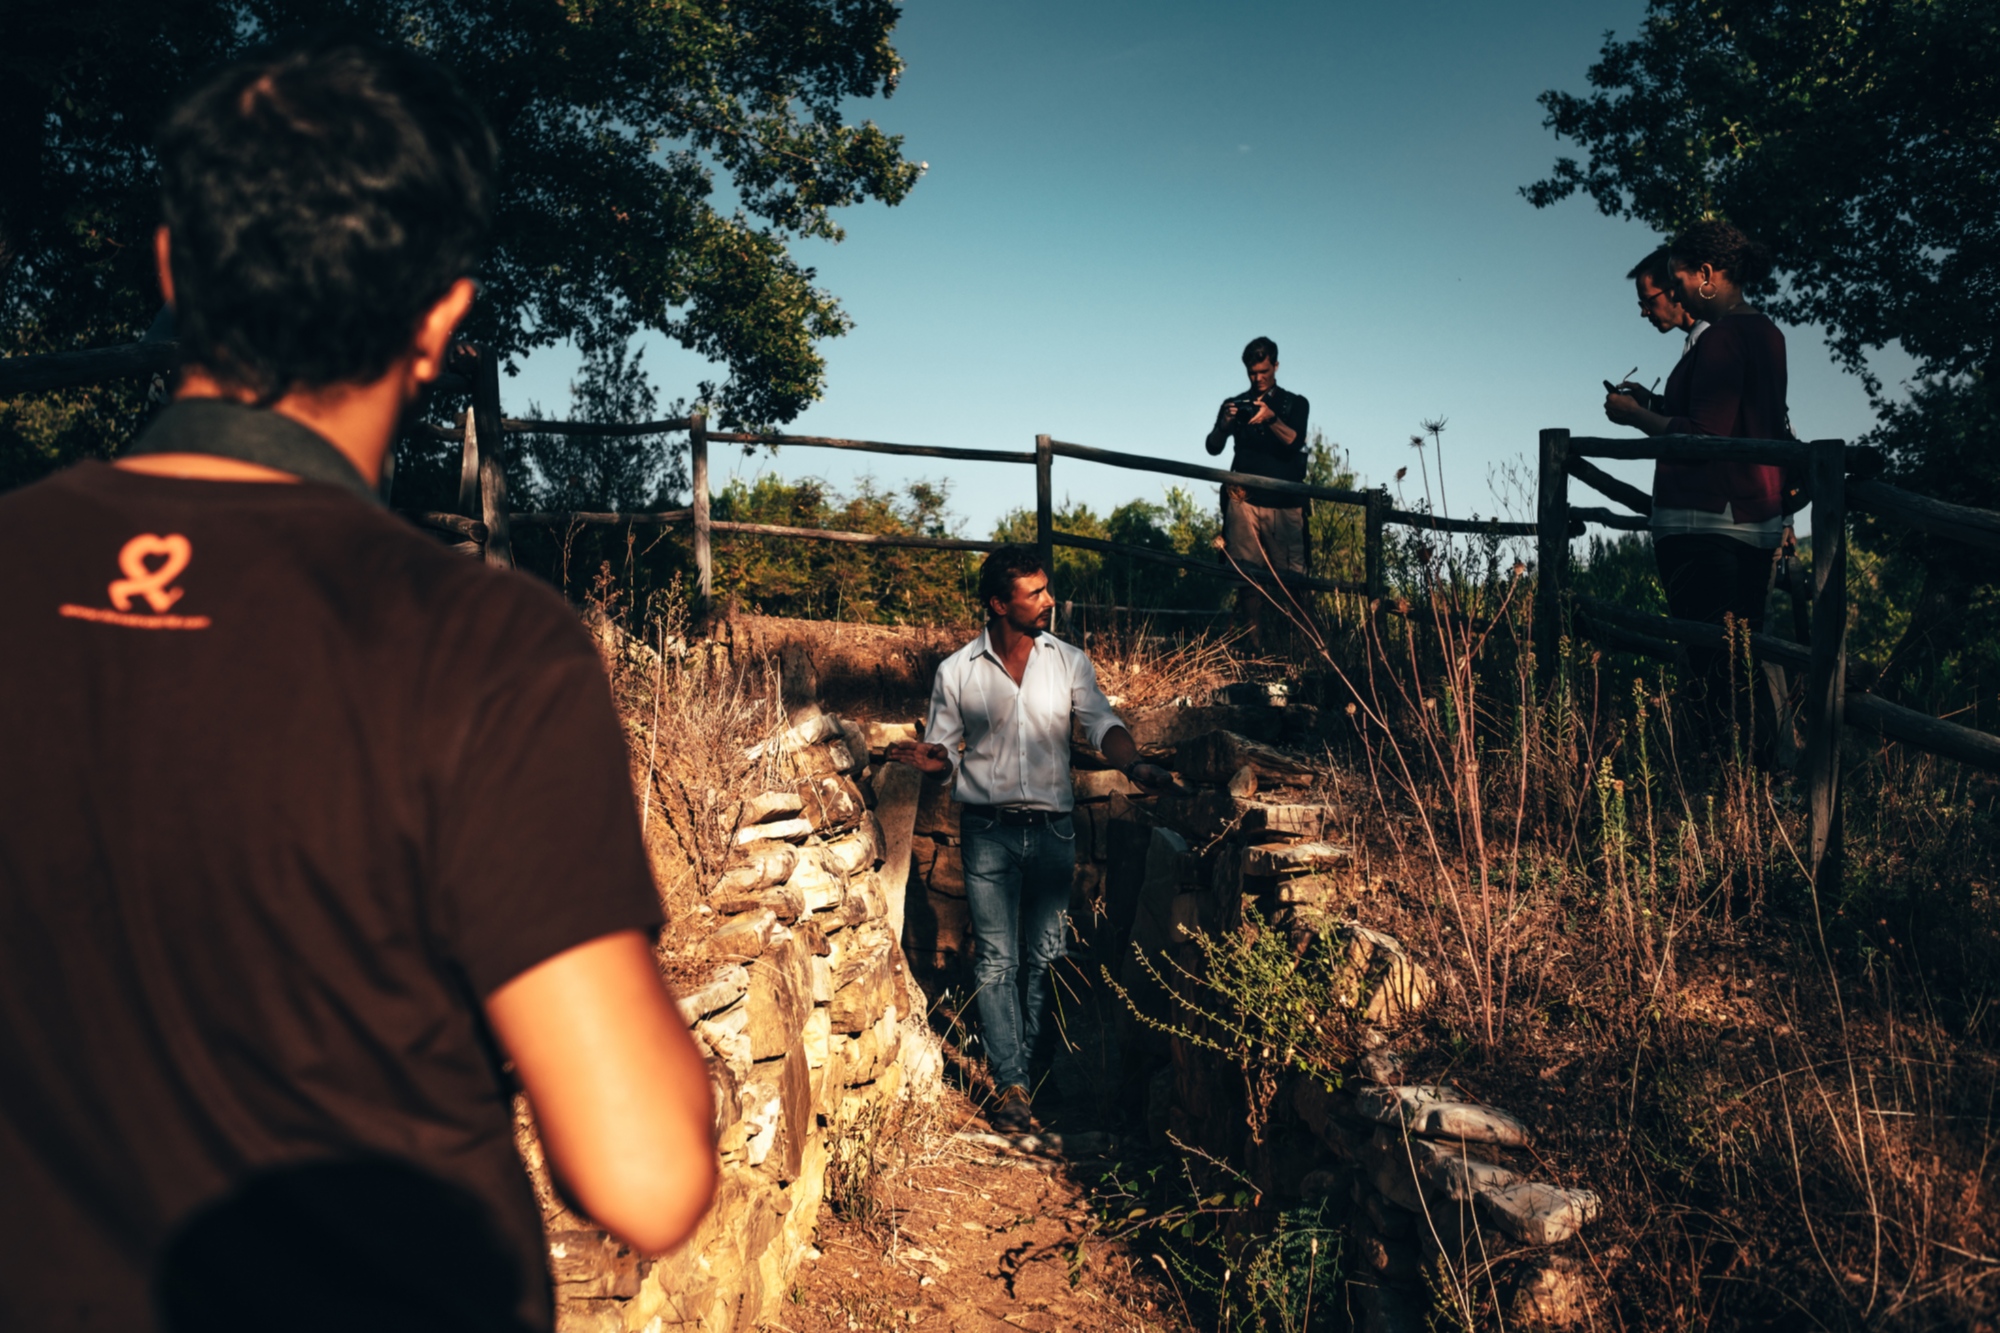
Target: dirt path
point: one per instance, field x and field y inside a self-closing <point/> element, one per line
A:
<point x="958" y="1228"/>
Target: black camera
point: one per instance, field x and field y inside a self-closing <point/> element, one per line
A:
<point x="1247" y="405"/>
<point x="1639" y="394"/>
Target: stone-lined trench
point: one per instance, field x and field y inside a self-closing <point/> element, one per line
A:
<point x="843" y="916"/>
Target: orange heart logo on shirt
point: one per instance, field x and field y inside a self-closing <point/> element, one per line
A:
<point x="147" y="580"/>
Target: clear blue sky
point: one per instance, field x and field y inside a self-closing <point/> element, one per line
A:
<point x="1120" y="195"/>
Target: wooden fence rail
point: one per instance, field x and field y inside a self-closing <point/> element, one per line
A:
<point x="482" y="503"/>
<point x="1830" y="706"/>
<point x="484" y="521"/>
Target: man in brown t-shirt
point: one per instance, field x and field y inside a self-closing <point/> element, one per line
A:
<point x="315" y="837"/>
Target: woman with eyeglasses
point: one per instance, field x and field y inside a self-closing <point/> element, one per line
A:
<point x="1717" y="526"/>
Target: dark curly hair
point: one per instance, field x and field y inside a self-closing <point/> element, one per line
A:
<point x="1002" y="569"/>
<point x="1723" y="245"/>
<point x="1655" y="266"/>
<point x="320" y="199"/>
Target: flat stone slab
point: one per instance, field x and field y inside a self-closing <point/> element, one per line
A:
<point x="882" y="735"/>
<point x="778" y="830"/>
<point x="1398" y="1167"/>
<point x="1474" y="1124"/>
<point x="1401" y="1104"/>
<point x="759" y="865"/>
<point x="1302" y="821"/>
<point x="769" y="805"/>
<point x="724" y="989"/>
<point x="745" y="937"/>
<point x="832" y="802"/>
<point x="1460" y="1179"/>
<point x="810" y="731"/>
<point x="851" y="853"/>
<point x="1536" y="1213"/>
<point x="817" y="886"/>
<point x="834" y="756"/>
<point x="1298" y="856"/>
<point x="785" y="901"/>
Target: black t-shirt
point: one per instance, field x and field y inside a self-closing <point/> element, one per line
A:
<point x="1260" y="452"/>
<point x="286" y="789"/>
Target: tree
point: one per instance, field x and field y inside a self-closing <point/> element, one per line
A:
<point x="569" y="472"/>
<point x="618" y="120"/>
<point x="1860" y="140"/>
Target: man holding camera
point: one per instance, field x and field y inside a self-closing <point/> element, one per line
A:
<point x="1262" y="530"/>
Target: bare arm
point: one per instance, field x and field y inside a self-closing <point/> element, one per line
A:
<point x="620" y="1093"/>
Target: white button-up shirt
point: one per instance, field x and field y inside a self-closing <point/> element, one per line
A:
<point x="1016" y="737"/>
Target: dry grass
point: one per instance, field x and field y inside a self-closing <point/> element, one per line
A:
<point x="1788" y="1105"/>
<point x="692" y="718"/>
<point x="1144" y="670"/>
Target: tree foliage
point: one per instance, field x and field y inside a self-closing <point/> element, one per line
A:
<point x="1860" y="139"/>
<point x="657" y="161"/>
<point x="624" y="473"/>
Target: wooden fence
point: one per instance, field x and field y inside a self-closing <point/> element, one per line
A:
<point x="485" y="521"/>
<point x="1820" y="613"/>
<point x="483" y="524"/>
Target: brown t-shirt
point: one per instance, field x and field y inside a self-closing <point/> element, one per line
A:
<point x="286" y="789"/>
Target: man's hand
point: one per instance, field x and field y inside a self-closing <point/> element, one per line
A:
<point x="1626" y="411"/>
<point x="919" y="755"/>
<point x="1150" y="776"/>
<point x="1263" y="414"/>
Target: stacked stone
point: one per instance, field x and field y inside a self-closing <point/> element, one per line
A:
<point x="800" y="1026"/>
<point x="1435" y="1178"/>
<point x="1422" y="1174"/>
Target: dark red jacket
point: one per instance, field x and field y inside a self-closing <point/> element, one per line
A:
<point x="1732" y="385"/>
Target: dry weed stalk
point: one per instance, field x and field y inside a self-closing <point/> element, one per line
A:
<point x="692" y="716"/>
<point x="1576" y="873"/>
<point x="1142" y="670"/>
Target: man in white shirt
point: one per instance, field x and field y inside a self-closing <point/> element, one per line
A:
<point x="1001" y="711"/>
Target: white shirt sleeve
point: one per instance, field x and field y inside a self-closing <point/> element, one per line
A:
<point x="1088" y="704"/>
<point x="943" y="725"/>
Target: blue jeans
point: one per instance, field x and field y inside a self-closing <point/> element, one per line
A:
<point x="1017" y="883"/>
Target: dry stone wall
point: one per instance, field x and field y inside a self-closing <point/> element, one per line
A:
<point x="1427" y="1180"/>
<point x="1430" y="1182"/>
<point x="805" y="1023"/>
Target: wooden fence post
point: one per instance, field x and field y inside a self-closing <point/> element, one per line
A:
<point x="1551" y="549"/>
<point x="1826" y="687"/>
<point x="467" y="359"/>
<point x="499" y="547"/>
<point x="1045" y="522"/>
<point x="488" y="449"/>
<point x="1373" y="577"/>
<point x="704" y="561"/>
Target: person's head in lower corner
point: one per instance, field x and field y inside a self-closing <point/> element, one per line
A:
<point x="317" y="202"/>
<point x="1260" y="363"/>
<point x="1659" y="300"/>
<point x="1014" y="587"/>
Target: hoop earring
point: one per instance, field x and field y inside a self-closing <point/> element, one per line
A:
<point x="1706" y="291"/>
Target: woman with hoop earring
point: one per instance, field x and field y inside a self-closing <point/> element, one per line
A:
<point x="1717" y="526"/>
